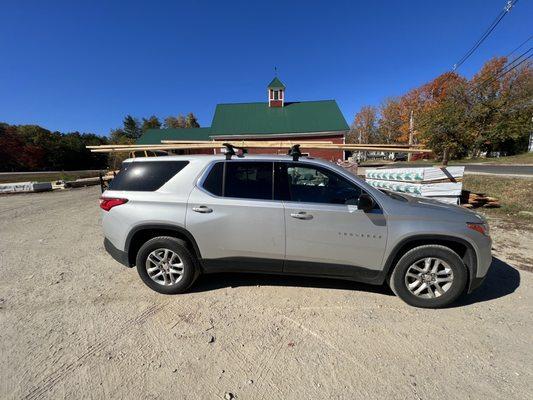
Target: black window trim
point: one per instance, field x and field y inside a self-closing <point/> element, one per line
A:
<point x="207" y="170"/>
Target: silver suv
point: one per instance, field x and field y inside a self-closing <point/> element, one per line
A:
<point x="176" y="217"/>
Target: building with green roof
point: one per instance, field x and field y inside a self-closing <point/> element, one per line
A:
<point x="271" y="120"/>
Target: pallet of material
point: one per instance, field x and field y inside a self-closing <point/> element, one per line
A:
<point x="418" y="175"/>
<point x="440" y="183"/>
<point x="419" y="189"/>
<point x="475" y="200"/>
<point x="25" y="187"/>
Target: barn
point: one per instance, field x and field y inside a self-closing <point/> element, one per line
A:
<point x="274" y="119"/>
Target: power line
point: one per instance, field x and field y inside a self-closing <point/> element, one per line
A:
<point x="521" y="44"/>
<point x="505" y="70"/>
<point x="503" y="13"/>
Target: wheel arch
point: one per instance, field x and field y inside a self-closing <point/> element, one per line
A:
<point x="462" y="247"/>
<point x="142" y="233"/>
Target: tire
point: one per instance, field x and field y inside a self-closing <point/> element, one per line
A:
<point x="450" y="276"/>
<point x="168" y="277"/>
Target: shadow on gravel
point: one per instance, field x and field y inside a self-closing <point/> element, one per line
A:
<point x="222" y="280"/>
<point x="502" y="280"/>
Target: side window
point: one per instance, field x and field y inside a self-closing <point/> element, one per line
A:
<point x="310" y="184"/>
<point x="213" y="181"/>
<point x="249" y="180"/>
<point x="145" y="176"/>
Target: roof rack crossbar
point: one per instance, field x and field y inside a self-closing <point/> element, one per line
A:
<point x="230" y="151"/>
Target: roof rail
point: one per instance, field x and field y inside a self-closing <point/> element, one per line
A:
<point x="230" y="151"/>
<point x="295" y="152"/>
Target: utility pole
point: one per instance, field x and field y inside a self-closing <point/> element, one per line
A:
<point x="411" y="130"/>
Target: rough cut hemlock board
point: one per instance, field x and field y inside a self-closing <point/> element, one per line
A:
<point x="443" y="184"/>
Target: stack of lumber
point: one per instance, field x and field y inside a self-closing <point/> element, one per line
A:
<point x="475" y="200"/>
<point x="440" y="183"/>
<point x="21" y="187"/>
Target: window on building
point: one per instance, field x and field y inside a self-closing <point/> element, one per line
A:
<point x="276" y="94"/>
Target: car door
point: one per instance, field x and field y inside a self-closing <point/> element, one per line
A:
<point x="326" y="234"/>
<point x="234" y="219"/>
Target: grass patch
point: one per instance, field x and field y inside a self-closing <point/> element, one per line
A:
<point x="524" y="158"/>
<point x="46" y="176"/>
<point x="514" y="194"/>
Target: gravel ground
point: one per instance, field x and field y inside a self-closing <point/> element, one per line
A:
<point x="75" y="324"/>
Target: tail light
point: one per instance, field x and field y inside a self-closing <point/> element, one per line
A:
<point x="107" y="203"/>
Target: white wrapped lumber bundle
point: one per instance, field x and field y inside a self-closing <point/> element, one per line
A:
<point x="419" y="175"/>
<point x="443" y="184"/>
<point x="21" y="187"/>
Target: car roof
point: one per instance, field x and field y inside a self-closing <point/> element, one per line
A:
<point x="209" y="157"/>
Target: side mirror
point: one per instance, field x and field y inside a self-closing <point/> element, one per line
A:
<point x="365" y="203"/>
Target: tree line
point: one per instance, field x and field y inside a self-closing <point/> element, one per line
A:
<point x="34" y="148"/>
<point x="456" y="116"/>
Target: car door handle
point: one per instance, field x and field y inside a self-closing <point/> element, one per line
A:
<point x="202" y="209"/>
<point x="301" y="215"/>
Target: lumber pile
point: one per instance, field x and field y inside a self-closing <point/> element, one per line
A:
<point x="439" y="183"/>
<point x="169" y="145"/>
<point x="476" y="200"/>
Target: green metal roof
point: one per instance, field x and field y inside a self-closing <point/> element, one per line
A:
<point x="259" y="118"/>
<point x="154" y="136"/>
<point x="276" y="84"/>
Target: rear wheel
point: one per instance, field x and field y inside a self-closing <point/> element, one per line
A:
<point x="166" y="265"/>
<point x="429" y="276"/>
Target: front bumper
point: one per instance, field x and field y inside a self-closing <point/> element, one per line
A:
<point x="118" y="255"/>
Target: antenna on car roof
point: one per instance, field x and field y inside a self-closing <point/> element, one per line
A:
<point x="230" y="151"/>
<point x="295" y="152"/>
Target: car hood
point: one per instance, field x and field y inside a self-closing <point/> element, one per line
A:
<point x="441" y="210"/>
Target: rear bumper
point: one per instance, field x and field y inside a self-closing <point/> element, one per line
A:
<point x="118" y="255"/>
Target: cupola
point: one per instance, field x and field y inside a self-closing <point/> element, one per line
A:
<point x="276" y="93"/>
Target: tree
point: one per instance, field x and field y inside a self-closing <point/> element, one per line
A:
<point x="364" y="127"/>
<point x="175" y="122"/>
<point x="150" y="123"/>
<point x="390" y="121"/>
<point x="191" y="121"/>
<point x="132" y="129"/>
<point x="444" y="127"/>
<point x="499" y="114"/>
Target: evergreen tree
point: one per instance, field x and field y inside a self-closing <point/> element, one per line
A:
<point x="132" y="129"/>
<point x="150" y="123"/>
<point x="191" y="121"/>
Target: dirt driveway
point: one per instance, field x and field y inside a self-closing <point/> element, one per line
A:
<point x="75" y="324"/>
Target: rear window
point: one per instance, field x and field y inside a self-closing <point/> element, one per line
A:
<point x="145" y="176"/>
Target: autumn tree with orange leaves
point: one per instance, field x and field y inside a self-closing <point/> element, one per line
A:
<point x="456" y="117"/>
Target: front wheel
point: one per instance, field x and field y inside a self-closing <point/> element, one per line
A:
<point x="166" y="265"/>
<point x="429" y="276"/>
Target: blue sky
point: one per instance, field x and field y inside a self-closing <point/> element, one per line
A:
<point x="70" y="65"/>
